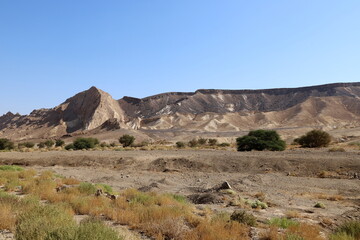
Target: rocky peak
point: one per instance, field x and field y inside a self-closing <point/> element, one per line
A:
<point x="89" y="109"/>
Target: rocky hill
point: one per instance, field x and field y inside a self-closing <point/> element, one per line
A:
<point x="328" y="106"/>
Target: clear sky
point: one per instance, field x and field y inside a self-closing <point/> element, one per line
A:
<point x="50" y="50"/>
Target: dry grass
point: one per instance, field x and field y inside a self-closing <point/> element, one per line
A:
<point x="70" y="181"/>
<point x="160" y="216"/>
<point x="301" y="231"/>
<point x="292" y="214"/>
<point x="330" y="197"/>
<point x="7" y="217"/>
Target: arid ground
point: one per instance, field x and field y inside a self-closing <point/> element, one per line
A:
<point x="290" y="182"/>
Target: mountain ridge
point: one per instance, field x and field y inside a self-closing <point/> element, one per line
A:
<point x="335" y="105"/>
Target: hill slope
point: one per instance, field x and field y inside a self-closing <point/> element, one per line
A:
<point x="328" y="106"/>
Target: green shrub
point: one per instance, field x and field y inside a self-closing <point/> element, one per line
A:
<point x="41" y="145"/>
<point x="314" y="139"/>
<point x="319" y="205"/>
<point x="10" y="168"/>
<point x="48" y="222"/>
<point x="87" y="188"/>
<point x="59" y="143"/>
<point x="104" y="187"/>
<point x="283" y="222"/>
<point x="94" y="229"/>
<point x="49" y="143"/>
<point x="242" y="217"/>
<point x="85" y="143"/>
<point x="261" y="140"/>
<point x="69" y="146"/>
<point x="348" y="230"/>
<point x="212" y="141"/>
<point x="202" y="141"/>
<point x="224" y="144"/>
<point x="259" y="204"/>
<point x="193" y="143"/>
<point x="126" y="140"/>
<point x="6" y="144"/>
<point x="104" y="144"/>
<point x="180" y="144"/>
<point x="179" y="198"/>
<point x="26" y="144"/>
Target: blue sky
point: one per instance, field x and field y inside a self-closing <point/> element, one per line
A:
<point x="50" y="50"/>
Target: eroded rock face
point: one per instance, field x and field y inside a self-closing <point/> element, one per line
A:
<point x="332" y="106"/>
<point x="87" y="110"/>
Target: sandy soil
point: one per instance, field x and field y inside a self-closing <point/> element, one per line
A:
<point x="287" y="181"/>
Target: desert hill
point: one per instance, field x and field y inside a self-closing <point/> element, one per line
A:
<point x="331" y="106"/>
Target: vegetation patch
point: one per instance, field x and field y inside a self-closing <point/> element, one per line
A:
<point x="314" y="139"/>
<point x="261" y="140"/>
<point x="283" y="222"/>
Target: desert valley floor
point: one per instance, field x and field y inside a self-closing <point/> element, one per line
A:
<point x="289" y="181"/>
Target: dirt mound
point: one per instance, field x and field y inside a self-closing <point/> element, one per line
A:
<point x="177" y="165"/>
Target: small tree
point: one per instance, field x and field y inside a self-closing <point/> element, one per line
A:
<point x="314" y="139"/>
<point x="126" y="140"/>
<point x="261" y="140"/>
<point x="59" y="143"/>
<point x="6" y="144"/>
<point x="85" y="143"/>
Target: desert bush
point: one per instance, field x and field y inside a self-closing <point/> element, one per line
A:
<point x="261" y="140"/>
<point x="243" y="217"/>
<point x="7" y="217"/>
<point x="347" y="230"/>
<point x="70" y="181"/>
<point x="26" y="144"/>
<point x="202" y="141"/>
<point x="45" y="222"/>
<point x="104" y="187"/>
<point x="314" y="139"/>
<point x="259" y="204"/>
<point x="69" y="146"/>
<point x="85" y="143"/>
<point x="87" y="188"/>
<point x="179" y="198"/>
<point x="193" y="143"/>
<point x="49" y="143"/>
<point x="303" y="231"/>
<point x="126" y="140"/>
<point x="337" y="149"/>
<point x="10" y="168"/>
<point x="319" y="205"/>
<point x="94" y="229"/>
<point x="283" y="222"/>
<point x="212" y="141"/>
<point x="6" y="144"/>
<point x="180" y="144"/>
<point x="224" y="144"/>
<point x="41" y="145"/>
<point x="104" y="144"/>
<point x="59" y="143"/>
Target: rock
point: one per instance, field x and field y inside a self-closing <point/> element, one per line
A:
<point x="225" y="185"/>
